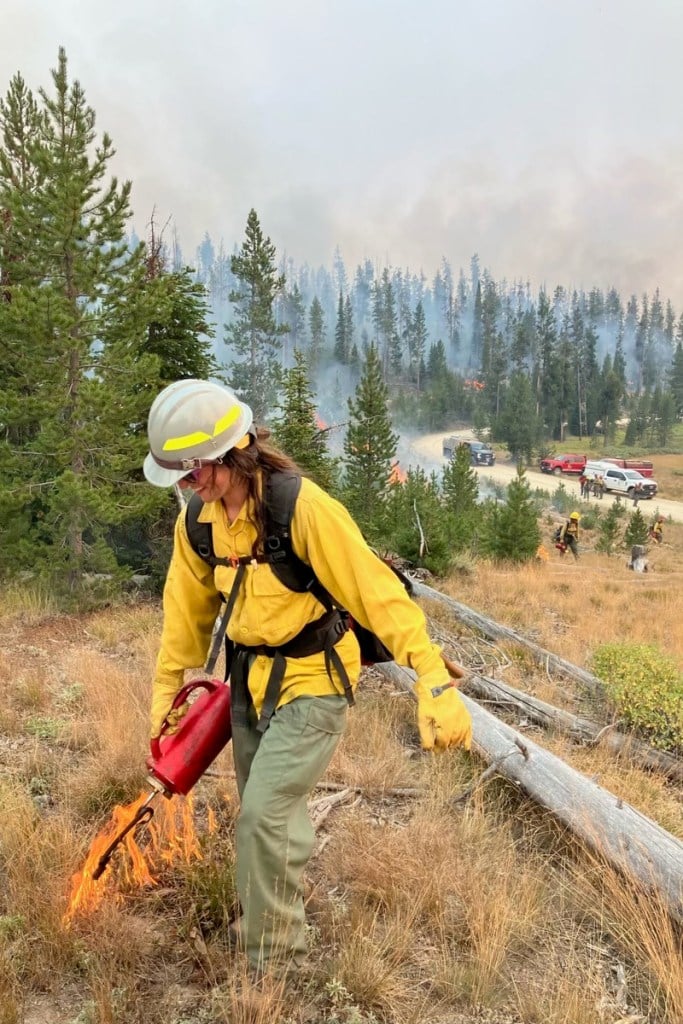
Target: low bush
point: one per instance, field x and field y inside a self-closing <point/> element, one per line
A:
<point x="646" y="688"/>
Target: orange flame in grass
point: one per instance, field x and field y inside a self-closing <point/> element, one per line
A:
<point x="170" y="837"/>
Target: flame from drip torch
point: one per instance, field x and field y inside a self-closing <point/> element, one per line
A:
<point x="171" y="838"/>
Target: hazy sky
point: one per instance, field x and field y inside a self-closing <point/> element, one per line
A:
<point x="544" y="135"/>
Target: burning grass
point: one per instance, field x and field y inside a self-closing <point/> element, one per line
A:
<point x="418" y="910"/>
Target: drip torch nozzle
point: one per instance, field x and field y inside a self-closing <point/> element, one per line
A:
<point x="142" y="816"/>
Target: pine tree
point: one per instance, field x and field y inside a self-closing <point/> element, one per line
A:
<point x="417" y="528"/>
<point x="385" y="320"/>
<point x="77" y="383"/>
<point x="295" y="318"/>
<point x="297" y="431"/>
<point x="460" y="494"/>
<point x="608" y="398"/>
<point x="512" y="531"/>
<point x="676" y="379"/>
<point x="175" y="308"/>
<point x="316" y="327"/>
<point x="341" y="346"/>
<point x="518" y="424"/>
<point x="418" y="344"/>
<point x="348" y="327"/>
<point x="254" y="334"/>
<point x="369" y="448"/>
<point x="608" y="530"/>
<point x="636" y="531"/>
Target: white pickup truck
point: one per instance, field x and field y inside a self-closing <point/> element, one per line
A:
<point x="620" y="481"/>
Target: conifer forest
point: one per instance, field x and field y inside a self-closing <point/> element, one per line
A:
<point x="340" y="362"/>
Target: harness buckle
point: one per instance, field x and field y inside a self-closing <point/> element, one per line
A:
<point x="234" y="561"/>
<point x="341" y="626"/>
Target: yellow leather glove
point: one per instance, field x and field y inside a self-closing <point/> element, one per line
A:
<point x="163" y="695"/>
<point x="442" y="718"/>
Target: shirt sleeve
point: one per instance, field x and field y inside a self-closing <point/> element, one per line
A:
<point x="191" y="603"/>
<point x="325" y="535"/>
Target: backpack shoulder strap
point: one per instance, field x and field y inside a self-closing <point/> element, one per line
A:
<point x="199" y="534"/>
<point x="281" y="492"/>
<point x="282" y="489"/>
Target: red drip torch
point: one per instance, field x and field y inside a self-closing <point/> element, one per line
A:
<point x="182" y="758"/>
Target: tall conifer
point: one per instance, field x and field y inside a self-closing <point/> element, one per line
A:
<point x="369" y="448"/>
<point x="254" y="333"/>
<point x="298" y="431"/>
<point x="78" y="386"/>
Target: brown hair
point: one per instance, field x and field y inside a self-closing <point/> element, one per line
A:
<point x="254" y="463"/>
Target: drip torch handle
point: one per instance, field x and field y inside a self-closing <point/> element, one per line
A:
<point x="179" y="699"/>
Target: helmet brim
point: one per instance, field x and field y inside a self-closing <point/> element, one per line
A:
<point x="157" y="475"/>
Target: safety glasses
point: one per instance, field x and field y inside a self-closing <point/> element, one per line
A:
<point x="193" y="476"/>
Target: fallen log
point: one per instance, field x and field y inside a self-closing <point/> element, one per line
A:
<point x="581" y="730"/>
<point x="495" y="631"/>
<point x="636" y="846"/>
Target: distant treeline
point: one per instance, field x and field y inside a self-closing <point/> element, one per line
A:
<point x="469" y="347"/>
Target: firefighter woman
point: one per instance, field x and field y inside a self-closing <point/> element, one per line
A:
<point x="569" y="535"/>
<point x="201" y="437"/>
<point x="657" y="530"/>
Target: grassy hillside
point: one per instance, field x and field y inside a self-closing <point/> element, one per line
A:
<point x="419" y="911"/>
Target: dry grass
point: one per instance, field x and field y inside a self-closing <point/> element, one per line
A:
<point x="418" y="911"/>
<point x="571" y="608"/>
<point x="669" y="476"/>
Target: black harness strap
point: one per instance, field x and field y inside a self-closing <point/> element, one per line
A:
<point x="225" y="618"/>
<point x="321" y="635"/>
<point x="282" y="490"/>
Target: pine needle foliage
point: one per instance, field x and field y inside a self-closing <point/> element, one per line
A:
<point x="254" y="333"/>
<point x="91" y="327"/>
<point x="418" y="526"/>
<point x="369" y="449"/>
<point x="77" y="383"/>
<point x="460" y="495"/>
<point x="636" y="531"/>
<point x="608" y="530"/>
<point x="297" y="431"/>
<point x="511" y="531"/>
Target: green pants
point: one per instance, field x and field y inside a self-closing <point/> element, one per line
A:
<point x="276" y="772"/>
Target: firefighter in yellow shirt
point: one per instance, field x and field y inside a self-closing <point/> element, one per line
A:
<point x="202" y="438"/>
<point x="569" y="535"/>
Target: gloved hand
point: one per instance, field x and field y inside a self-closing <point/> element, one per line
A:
<point x="442" y="718"/>
<point x="163" y="695"/>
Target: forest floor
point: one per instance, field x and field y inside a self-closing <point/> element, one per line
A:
<point x="418" y="912"/>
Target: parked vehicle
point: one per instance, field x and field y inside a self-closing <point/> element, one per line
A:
<point x="620" y="481"/>
<point x="480" y="454"/>
<point x="560" y="464"/>
<point x="642" y="466"/>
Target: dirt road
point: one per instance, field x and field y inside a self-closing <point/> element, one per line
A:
<point x="426" y="450"/>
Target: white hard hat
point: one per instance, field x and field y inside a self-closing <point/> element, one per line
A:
<point x="192" y="423"/>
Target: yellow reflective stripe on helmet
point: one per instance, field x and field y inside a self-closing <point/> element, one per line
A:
<point x="173" y="444"/>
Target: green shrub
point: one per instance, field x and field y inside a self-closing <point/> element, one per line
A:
<point x="590" y="516"/>
<point x="646" y="688"/>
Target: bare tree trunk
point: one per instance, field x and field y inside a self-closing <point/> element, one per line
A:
<point x="630" y="842"/>
<point x="494" y="631"/>
<point x="579" y="729"/>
